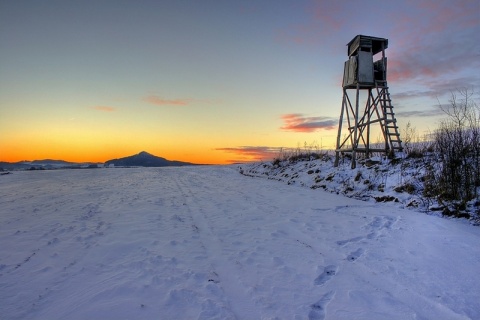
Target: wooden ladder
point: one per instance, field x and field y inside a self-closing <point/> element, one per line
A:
<point x="389" y="123"/>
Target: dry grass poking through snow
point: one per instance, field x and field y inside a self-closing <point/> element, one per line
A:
<point x="404" y="181"/>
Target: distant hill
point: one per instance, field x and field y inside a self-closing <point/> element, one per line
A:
<point x="44" y="164"/>
<point x="52" y="162"/>
<point x="145" y="159"/>
<point x="10" y="166"/>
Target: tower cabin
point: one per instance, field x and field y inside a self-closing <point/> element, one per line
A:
<point x="360" y="68"/>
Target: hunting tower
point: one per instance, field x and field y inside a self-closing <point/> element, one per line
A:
<point x="362" y="75"/>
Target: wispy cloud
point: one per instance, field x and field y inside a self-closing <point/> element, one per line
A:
<point x="431" y="112"/>
<point x="341" y="18"/>
<point x="426" y="67"/>
<point x="437" y="88"/>
<point x="252" y="153"/>
<point x="104" y="108"/>
<point x="159" y="101"/>
<point x="298" y="122"/>
<point x="434" y="42"/>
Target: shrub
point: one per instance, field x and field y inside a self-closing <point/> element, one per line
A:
<point x="457" y="140"/>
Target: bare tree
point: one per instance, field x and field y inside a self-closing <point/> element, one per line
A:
<point x="458" y="142"/>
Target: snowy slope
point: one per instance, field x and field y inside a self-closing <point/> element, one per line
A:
<point x="400" y="181"/>
<point x="209" y="243"/>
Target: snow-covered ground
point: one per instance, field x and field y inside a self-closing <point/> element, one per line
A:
<point x="209" y="243"/>
<point x="378" y="179"/>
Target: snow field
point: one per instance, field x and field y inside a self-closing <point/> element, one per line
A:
<point x="209" y="243"/>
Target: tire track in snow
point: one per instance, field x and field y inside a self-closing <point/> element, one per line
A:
<point x="241" y="304"/>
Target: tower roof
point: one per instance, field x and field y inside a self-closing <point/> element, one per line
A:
<point x="366" y="42"/>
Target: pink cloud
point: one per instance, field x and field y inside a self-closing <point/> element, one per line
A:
<point x="444" y="15"/>
<point x="252" y="153"/>
<point x="104" y="108"/>
<point x="433" y="39"/>
<point x="431" y="63"/>
<point x="297" y="122"/>
<point x="158" y="101"/>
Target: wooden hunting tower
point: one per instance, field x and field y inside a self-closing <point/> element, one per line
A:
<point x="362" y="74"/>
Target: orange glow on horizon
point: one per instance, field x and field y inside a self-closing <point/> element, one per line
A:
<point x="79" y="157"/>
<point x="100" y="151"/>
<point x="82" y="141"/>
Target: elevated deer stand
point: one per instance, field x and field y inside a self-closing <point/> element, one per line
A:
<point x="361" y="74"/>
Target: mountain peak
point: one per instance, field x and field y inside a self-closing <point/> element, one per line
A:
<point x="145" y="159"/>
<point x="144" y="155"/>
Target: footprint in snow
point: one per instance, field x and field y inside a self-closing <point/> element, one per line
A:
<point x="380" y="223"/>
<point x="376" y="223"/>
<point x="344" y="242"/>
<point x="326" y="275"/>
<point x="355" y="254"/>
<point x="318" y="309"/>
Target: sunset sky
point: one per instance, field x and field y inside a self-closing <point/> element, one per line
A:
<point x="214" y="81"/>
